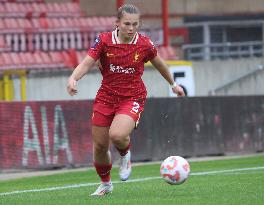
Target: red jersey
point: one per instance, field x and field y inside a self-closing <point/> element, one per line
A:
<point x="122" y="65"/>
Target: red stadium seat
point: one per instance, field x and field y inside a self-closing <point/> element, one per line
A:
<point x="30" y="59"/>
<point x="44" y="60"/>
<point x="2" y="9"/>
<point x="11" y="23"/>
<point x="63" y="8"/>
<point x="11" y="8"/>
<point x="54" y="23"/>
<point x="23" y="59"/>
<point x="36" y="61"/>
<point x="18" y="63"/>
<point x="22" y="8"/>
<point x="45" y="57"/>
<point x="25" y="24"/>
<point x="43" y="24"/>
<point x="35" y="23"/>
<point x="23" y="1"/>
<point x="81" y="55"/>
<point x="72" y="7"/>
<point x="57" y="59"/>
<point x="39" y="60"/>
<point x="39" y="9"/>
<point x="8" y="62"/>
<point x="39" y="35"/>
<point x="167" y="53"/>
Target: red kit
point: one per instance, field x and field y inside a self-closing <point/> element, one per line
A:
<point x="122" y="90"/>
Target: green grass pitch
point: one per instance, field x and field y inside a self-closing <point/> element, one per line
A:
<point x="217" y="182"/>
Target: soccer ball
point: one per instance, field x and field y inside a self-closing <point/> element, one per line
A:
<point x="175" y="170"/>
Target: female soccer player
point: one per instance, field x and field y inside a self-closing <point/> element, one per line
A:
<point x="121" y="97"/>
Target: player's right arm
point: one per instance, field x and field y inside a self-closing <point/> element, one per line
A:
<point x="84" y="67"/>
<point x="78" y="73"/>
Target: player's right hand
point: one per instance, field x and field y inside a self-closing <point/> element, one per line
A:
<point x="71" y="87"/>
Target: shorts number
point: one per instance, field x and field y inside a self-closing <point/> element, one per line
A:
<point x="135" y="107"/>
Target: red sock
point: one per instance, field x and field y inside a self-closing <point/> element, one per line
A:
<point x="123" y="152"/>
<point x="103" y="170"/>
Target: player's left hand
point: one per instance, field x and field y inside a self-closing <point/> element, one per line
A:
<point x="178" y="90"/>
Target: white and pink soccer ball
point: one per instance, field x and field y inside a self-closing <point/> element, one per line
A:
<point x="175" y="170"/>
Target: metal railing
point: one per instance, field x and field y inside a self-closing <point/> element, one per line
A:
<point x="207" y="49"/>
<point x="224" y="50"/>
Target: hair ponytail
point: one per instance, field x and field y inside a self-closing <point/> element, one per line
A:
<point x="128" y="8"/>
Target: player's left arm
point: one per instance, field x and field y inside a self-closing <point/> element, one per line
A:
<point x="161" y="66"/>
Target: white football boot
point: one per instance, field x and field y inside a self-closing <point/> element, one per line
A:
<point x="103" y="189"/>
<point x="125" y="166"/>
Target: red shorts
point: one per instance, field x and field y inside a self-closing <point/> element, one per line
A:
<point x="104" y="113"/>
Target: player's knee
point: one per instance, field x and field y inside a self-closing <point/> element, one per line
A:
<point x="116" y="137"/>
<point x="100" y="147"/>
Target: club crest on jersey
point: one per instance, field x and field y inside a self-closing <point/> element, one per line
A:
<point x="136" y="57"/>
<point x="97" y="40"/>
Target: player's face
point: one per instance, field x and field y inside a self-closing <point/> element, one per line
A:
<point x="128" y="26"/>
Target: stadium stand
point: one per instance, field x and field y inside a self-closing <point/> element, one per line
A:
<point x="39" y="35"/>
<point x="23" y="1"/>
<point x="39" y="60"/>
<point x="39" y="9"/>
<point x="52" y="59"/>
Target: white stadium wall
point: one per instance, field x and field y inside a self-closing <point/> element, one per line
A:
<point x="207" y="75"/>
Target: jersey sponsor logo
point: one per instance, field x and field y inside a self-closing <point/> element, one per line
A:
<point x="110" y="55"/>
<point x="120" y="69"/>
<point x="96" y="42"/>
<point x="136" y="57"/>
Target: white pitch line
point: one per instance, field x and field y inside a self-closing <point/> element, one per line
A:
<point x="227" y="171"/>
<point x="129" y="181"/>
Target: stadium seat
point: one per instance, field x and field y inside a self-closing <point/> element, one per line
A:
<point x="24" y="60"/>
<point x="38" y="35"/>
<point x="42" y="24"/>
<point x="8" y="62"/>
<point x="167" y="53"/>
<point x="23" y="1"/>
<point x="39" y="9"/>
<point x="17" y="61"/>
<point x="46" y="59"/>
<point x="37" y="60"/>
<point x="81" y="55"/>
<point x="11" y="24"/>
<point x="24" y="24"/>
<point x="56" y="58"/>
